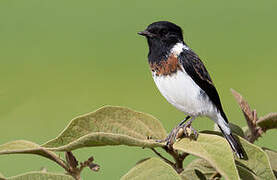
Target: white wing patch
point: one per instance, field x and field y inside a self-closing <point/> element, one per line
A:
<point x="178" y="48"/>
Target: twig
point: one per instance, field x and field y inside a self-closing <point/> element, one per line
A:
<point x="165" y="159"/>
<point x="178" y="158"/>
<point x="178" y="166"/>
<point x="256" y="131"/>
<point x="183" y="156"/>
<point x="71" y="164"/>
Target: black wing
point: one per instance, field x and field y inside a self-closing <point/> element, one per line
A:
<point x="197" y="71"/>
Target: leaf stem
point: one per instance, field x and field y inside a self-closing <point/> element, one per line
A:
<point x="165" y="159"/>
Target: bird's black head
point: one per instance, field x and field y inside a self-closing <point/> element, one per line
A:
<point x="161" y="37"/>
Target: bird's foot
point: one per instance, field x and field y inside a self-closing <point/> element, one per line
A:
<point x="190" y="132"/>
<point x="184" y="130"/>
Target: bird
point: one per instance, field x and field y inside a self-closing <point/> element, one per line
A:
<point x="183" y="80"/>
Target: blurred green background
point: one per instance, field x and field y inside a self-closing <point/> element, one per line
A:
<point x="61" y="58"/>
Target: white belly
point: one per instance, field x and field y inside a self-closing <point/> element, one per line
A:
<point x="182" y="92"/>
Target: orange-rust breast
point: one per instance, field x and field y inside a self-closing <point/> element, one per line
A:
<point x="166" y="67"/>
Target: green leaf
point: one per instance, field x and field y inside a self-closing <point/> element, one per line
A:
<point x="268" y="122"/>
<point x="25" y="147"/>
<point x="192" y="174"/>
<point x="246" y="173"/>
<point x="257" y="160"/>
<point x="109" y="125"/>
<point x="235" y="129"/>
<point x="154" y="169"/>
<point x="272" y="158"/>
<point x="198" y="169"/>
<point x="214" y="149"/>
<point x="41" y="176"/>
<point x="201" y="169"/>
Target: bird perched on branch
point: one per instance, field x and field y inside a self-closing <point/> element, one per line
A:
<point x="183" y="80"/>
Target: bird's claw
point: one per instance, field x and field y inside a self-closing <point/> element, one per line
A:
<point x="191" y="132"/>
<point x="184" y="130"/>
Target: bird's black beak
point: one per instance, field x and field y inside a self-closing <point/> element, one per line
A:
<point x="146" y="33"/>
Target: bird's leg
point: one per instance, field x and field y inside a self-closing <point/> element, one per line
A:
<point x="181" y="123"/>
<point x="174" y="132"/>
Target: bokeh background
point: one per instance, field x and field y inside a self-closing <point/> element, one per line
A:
<point x="61" y="58"/>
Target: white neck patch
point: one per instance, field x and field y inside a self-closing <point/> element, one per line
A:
<point x="178" y="48"/>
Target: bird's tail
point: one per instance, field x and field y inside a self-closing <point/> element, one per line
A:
<point x="236" y="147"/>
<point x="226" y="131"/>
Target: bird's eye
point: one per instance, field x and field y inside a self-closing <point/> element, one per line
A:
<point x="164" y="32"/>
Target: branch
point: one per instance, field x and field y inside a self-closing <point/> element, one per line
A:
<point x="73" y="164"/>
<point x="178" y="158"/>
